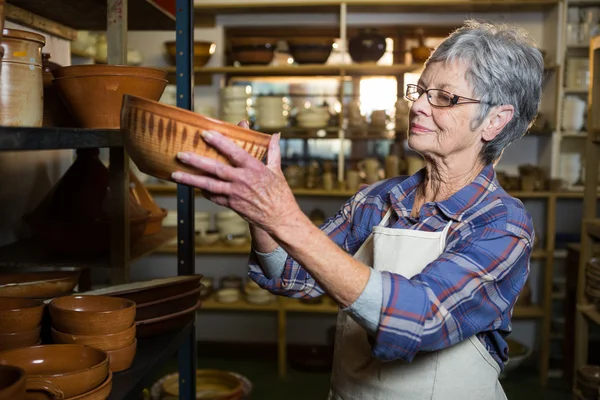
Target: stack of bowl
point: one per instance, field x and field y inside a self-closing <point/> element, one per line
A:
<point x="20" y="321"/>
<point x="592" y="288"/>
<point x="102" y="322"/>
<point x="272" y="112"/>
<point x="233" y="229"/>
<point x="61" y="371"/>
<point x="234" y="103"/>
<point x="108" y="83"/>
<point x="588" y="382"/>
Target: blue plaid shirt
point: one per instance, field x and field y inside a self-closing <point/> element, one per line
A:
<point x="470" y="289"/>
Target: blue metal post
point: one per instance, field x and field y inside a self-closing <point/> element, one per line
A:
<point x="185" y="195"/>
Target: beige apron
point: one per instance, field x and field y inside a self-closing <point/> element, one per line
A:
<point x="464" y="371"/>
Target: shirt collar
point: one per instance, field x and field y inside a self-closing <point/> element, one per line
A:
<point x="402" y="196"/>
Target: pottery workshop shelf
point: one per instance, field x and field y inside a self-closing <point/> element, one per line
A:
<point x="215" y="249"/>
<point x="152" y="353"/>
<point x="92" y="14"/>
<point x="25" y="253"/>
<point x="590" y="312"/>
<point x="57" y="138"/>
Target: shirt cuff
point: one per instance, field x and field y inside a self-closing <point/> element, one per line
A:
<point x="367" y="308"/>
<point x="272" y="263"/>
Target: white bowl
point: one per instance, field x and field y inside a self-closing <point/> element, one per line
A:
<point x="206" y="239"/>
<point x="228" y="295"/>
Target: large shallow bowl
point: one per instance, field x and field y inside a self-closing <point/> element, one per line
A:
<point x="91" y="315"/>
<point x="95" y="100"/>
<point x="40" y="285"/>
<point x="108" y="342"/>
<point x="99" y="69"/>
<point x="20" y="315"/>
<point x="168" y="323"/>
<point x="153" y="134"/>
<point x="167" y="306"/>
<point x="100" y="393"/>
<point x="73" y="369"/>
<point x="202" y="52"/>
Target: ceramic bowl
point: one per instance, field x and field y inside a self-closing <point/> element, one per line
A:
<point x="154" y="133"/>
<point x="228" y="295"/>
<point x="91" y="315"/>
<point x="202" y="52"/>
<point x="589" y="374"/>
<point x="166" y="306"/>
<point x="252" y="50"/>
<point x="167" y="323"/>
<point x="108" y="342"/>
<point x="211" y="384"/>
<point x="100" y="393"/>
<point x="102" y="110"/>
<point x="39" y="284"/>
<point x="72" y="369"/>
<point x="310" y="50"/>
<point x="12" y="381"/>
<point x="20" y="315"/>
<point x="17" y="340"/>
<point x="121" y="359"/>
<point x="207" y="238"/>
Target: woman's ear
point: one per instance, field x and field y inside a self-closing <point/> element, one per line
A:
<point x="499" y="117"/>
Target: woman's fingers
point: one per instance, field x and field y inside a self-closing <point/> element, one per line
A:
<point x="210" y="165"/>
<point x="234" y="153"/>
<point x="203" y="182"/>
<point x="274" y="152"/>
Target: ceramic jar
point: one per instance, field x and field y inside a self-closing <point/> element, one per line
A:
<point x="21" y="80"/>
<point x="367" y="46"/>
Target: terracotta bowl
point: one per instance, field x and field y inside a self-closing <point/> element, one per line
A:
<point x="102" y="110"/>
<point x="99" y="69"/>
<point x="91" y="315"/>
<point x="168" y="323"/>
<point x="307" y="50"/>
<point x="211" y="384"/>
<point x="20" y="315"/>
<point x="12" y="382"/>
<point x="203" y="51"/>
<point x="100" y="393"/>
<point x="167" y="306"/>
<point x="39" y="285"/>
<point x="121" y="359"/>
<point x="109" y="342"/>
<point x="72" y="369"/>
<point x="9" y="341"/>
<point x="154" y="133"/>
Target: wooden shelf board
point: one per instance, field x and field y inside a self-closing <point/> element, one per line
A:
<point x="528" y="312"/>
<point x="92" y="14"/>
<point x="294" y="305"/>
<point x="240" y="305"/>
<point x="539" y="254"/>
<point x="214" y="7"/>
<point x="26" y="253"/>
<point x="17" y="138"/>
<point x="590" y="312"/>
<point x="575" y="91"/>
<point x="218" y="248"/>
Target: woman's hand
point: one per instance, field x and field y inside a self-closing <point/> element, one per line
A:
<point x="258" y="192"/>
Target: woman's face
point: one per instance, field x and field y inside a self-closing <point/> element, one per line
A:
<point x="444" y="132"/>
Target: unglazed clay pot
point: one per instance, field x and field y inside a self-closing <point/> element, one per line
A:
<point x="21" y="97"/>
<point x="154" y="133"/>
<point x="94" y="95"/>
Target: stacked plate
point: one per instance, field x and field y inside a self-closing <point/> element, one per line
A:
<point x="163" y="305"/>
<point x="234" y="103"/>
<point x="588" y="382"/>
<point x="592" y="288"/>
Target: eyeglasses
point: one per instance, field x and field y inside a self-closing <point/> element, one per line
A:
<point x="437" y="97"/>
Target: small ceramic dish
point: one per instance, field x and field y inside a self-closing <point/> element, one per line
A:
<point x="228" y="295"/>
<point x="207" y="238"/>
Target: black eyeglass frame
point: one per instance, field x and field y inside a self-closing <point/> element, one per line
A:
<point x="453" y="101"/>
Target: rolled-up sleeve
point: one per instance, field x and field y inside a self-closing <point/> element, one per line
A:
<point x="471" y="288"/>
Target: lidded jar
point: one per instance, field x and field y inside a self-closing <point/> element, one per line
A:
<point x="21" y="79"/>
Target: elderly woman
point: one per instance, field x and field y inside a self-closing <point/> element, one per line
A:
<point x="426" y="269"/>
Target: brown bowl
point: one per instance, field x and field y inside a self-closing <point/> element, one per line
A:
<point x="20" y="315"/>
<point x="91" y="315"/>
<point x="121" y="359"/>
<point x="154" y="133"/>
<point x="307" y="50"/>
<point x="211" y="384"/>
<point x="108" y="342"/>
<point x="9" y="341"/>
<point x="203" y="51"/>
<point x="252" y="50"/>
<point x="12" y="382"/>
<point x="167" y="306"/>
<point x="100" y="69"/>
<point x="38" y="285"/>
<point x="72" y="369"/>
<point x="100" y="393"/>
<point x="590" y="374"/>
<point x="167" y="323"/>
<point x="102" y="109"/>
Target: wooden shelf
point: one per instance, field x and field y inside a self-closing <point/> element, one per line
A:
<point x="13" y="139"/>
<point x="215" y="7"/>
<point x="539" y="254"/>
<point x="294" y="305"/>
<point x="92" y="14"/>
<point x="532" y="312"/>
<point x="240" y="305"/>
<point x="590" y="312"/>
<point x="26" y="253"/>
<point x="219" y="248"/>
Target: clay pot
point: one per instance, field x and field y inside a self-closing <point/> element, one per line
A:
<point x="121" y="359"/>
<point x="21" y="97"/>
<point x="203" y="51"/>
<point x="68" y="370"/>
<point x="73" y="218"/>
<point x="91" y="315"/>
<point x="17" y="340"/>
<point x="55" y="111"/>
<point x="108" y="342"/>
<point x="20" y="315"/>
<point x="154" y="133"/>
<point x="367" y="46"/>
<point x="108" y="83"/>
<point x="144" y="199"/>
<point x="38" y="285"/>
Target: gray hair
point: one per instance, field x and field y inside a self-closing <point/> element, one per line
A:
<point x="504" y="66"/>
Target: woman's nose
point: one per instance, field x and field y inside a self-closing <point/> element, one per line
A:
<point x="421" y="105"/>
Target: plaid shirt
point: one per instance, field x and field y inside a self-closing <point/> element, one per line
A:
<point x="470" y="289"/>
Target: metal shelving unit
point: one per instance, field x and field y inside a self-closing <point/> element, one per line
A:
<point x="62" y="18"/>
